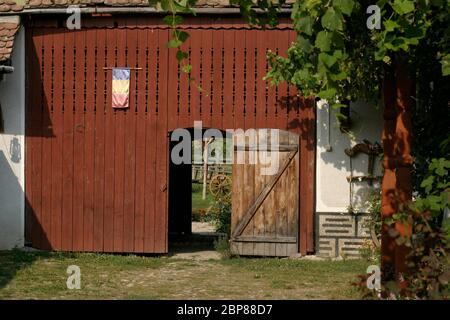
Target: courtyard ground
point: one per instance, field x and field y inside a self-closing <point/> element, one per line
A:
<point x="42" y="275"/>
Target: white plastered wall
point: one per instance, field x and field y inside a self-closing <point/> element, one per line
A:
<point x="333" y="189"/>
<point x="12" y="142"/>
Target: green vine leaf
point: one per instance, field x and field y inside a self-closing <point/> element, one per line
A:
<point x="445" y="62"/>
<point x="187" y="68"/>
<point x="180" y="35"/>
<point x="328" y="94"/>
<point x="323" y="40"/>
<point x="403" y="6"/>
<point x="346" y="6"/>
<point x="427" y="184"/>
<point x="181" y="55"/>
<point x="390" y="25"/>
<point x="305" y="25"/>
<point x="328" y="60"/>
<point x="174" y="43"/>
<point x="173" y="20"/>
<point x="305" y="44"/>
<point x="332" y="19"/>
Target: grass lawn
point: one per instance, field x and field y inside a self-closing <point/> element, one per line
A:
<point x="199" y="205"/>
<point x="38" y="275"/>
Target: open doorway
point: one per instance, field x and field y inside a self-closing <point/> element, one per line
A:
<point x="198" y="189"/>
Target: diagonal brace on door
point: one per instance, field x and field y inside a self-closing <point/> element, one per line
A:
<point x="262" y="196"/>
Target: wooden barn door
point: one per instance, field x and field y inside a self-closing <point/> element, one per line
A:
<point x="96" y="176"/>
<point x="265" y="197"/>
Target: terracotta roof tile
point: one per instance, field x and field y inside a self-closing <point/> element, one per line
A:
<point x="8" y="29"/>
<point x="19" y="5"/>
<point x="8" y="5"/>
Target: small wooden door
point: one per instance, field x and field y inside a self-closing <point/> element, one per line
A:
<point x="265" y="198"/>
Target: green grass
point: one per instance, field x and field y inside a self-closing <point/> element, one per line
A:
<point x="198" y="204"/>
<point x="37" y="275"/>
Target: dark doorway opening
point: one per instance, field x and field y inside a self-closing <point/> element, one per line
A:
<point x="190" y="225"/>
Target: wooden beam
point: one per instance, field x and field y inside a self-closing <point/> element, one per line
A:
<point x="281" y="148"/>
<point x="265" y="239"/>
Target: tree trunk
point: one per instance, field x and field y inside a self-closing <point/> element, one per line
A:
<point x="398" y="89"/>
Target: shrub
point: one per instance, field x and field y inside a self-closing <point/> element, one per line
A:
<point x="370" y="249"/>
<point x="221" y="216"/>
<point x="222" y="245"/>
<point x="428" y="261"/>
<point x="200" y="215"/>
<point x="429" y="257"/>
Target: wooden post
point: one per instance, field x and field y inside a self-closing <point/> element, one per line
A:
<point x="405" y="88"/>
<point x="207" y="142"/>
<point x="398" y="88"/>
<point x="388" y="205"/>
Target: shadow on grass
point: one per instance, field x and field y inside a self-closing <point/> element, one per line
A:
<point x="13" y="261"/>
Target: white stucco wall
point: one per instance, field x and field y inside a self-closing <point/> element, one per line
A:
<point x="12" y="100"/>
<point x="333" y="190"/>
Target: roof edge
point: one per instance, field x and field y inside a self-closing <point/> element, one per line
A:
<point x="133" y="10"/>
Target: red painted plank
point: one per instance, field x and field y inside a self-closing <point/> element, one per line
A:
<point x="295" y="100"/>
<point x="130" y="146"/>
<point x="78" y="140"/>
<point x="110" y="127"/>
<point x="184" y="118"/>
<point x="57" y="143"/>
<point x="89" y="140"/>
<point x="141" y="163"/>
<point x="217" y="78"/>
<point x="152" y="57"/>
<point x="153" y="70"/>
<point x="162" y="149"/>
<point x="261" y="70"/>
<point x="239" y="108"/>
<point x="47" y="133"/>
<point x="303" y="227"/>
<point x="68" y="155"/>
<point x="99" y="156"/>
<point x="272" y="89"/>
<point x="250" y="79"/>
<point x="151" y="192"/>
<point x="206" y="77"/>
<point x="283" y="44"/>
<point x="119" y="153"/>
<point x="195" y="100"/>
<point x="310" y="177"/>
<point x="172" y="97"/>
<point x="228" y="79"/>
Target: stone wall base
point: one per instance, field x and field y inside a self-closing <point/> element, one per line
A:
<point x="340" y="234"/>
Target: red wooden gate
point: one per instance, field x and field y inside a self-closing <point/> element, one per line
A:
<point x="96" y="178"/>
